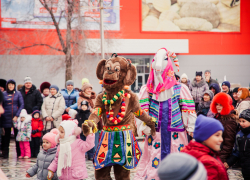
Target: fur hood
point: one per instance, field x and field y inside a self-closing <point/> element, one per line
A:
<point x="210" y="93"/>
<point x="199" y="84"/>
<point x="27" y="119"/>
<point x="225" y="100"/>
<point x="216" y="87"/>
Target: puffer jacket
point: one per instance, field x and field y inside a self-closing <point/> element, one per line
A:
<point x="230" y="130"/>
<point x="77" y="170"/>
<point x="24" y="128"/>
<point x="242" y="105"/>
<point x="241" y="152"/>
<point x="210" y="159"/>
<point x="32" y="100"/>
<point x="43" y="161"/>
<point x="70" y="100"/>
<point x="53" y="106"/>
<point x="37" y="124"/>
<point x="197" y="89"/>
<point x="12" y="104"/>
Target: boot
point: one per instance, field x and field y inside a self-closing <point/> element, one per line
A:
<point x="5" y="154"/>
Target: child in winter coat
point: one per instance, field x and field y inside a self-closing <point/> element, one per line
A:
<point x="45" y="157"/>
<point x="23" y="125"/>
<point x="241" y="149"/>
<point x="37" y="127"/>
<point x="204" y="105"/>
<point x="70" y="157"/>
<point x="205" y="148"/>
<point x="223" y="109"/>
<point x="83" y="114"/>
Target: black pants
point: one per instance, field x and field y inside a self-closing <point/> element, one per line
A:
<point x="18" y="152"/>
<point x="6" y="142"/>
<point x="35" y="146"/>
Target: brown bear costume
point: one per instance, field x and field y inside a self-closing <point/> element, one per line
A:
<point x="117" y="107"/>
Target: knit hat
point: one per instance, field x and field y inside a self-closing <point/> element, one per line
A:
<point x="185" y="167"/>
<point x="72" y="113"/>
<point x="27" y="79"/>
<point x="208" y="71"/>
<point x="206" y="127"/>
<point x="235" y="90"/>
<point x="85" y="103"/>
<point x="3" y="83"/>
<point x="44" y="85"/>
<point x="70" y="128"/>
<point x="51" y="137"/>
<point x="70" y="82"/>
<point x="244" y="94"/>
<point x="226" y="83"/>
<point x="198" y="73"/>
<point x="66" y="117"/>
<point x="184" y="76"/>
<point x="225" y="100"/>
<point x="245" y="114"/>
<point x="85" y="80"/>
<point x="210" y="93"/>
<point x="85" y="86"/>
<point x="55" y="87"/>
<point x="34" y="112"/>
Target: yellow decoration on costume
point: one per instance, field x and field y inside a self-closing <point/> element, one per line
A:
<point x="115" y="97"/>
<point x="106" y="102"/>
<point x="95" y="126"/>
<point x="111" y="101"/>
<point x="154" y="120"/>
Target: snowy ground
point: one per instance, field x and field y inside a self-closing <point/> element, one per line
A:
<point x="15" y="169"/>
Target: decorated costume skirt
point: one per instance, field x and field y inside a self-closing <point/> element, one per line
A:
<point x="117" y="146"/>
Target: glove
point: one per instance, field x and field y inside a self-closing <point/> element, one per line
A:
<point x="34" y="131"/>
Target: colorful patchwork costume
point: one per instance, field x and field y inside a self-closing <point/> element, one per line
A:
<point x="173" y="107"/>
<point x="117" y="107"/>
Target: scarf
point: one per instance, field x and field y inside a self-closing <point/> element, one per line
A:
<point x="69" y="92"/>
<point x="65" y="156"/>
<point x="88" y="97"/>
<point x="168" y="77"/>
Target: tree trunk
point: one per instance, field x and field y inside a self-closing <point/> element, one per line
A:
<point x="68" y="68"/>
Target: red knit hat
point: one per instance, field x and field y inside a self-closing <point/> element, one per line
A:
<point x="66" y="117"/>
<point x="51" y="137"/>
<point x="225" y="100"/>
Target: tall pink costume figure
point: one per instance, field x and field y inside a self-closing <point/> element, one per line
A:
<point x="172" y="105"/>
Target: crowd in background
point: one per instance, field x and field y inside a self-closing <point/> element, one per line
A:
<point x="31" y="113"/>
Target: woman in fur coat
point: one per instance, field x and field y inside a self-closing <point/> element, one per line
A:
<point x="88" y="95"/>
<point x="197" y="88"/>
<point x="222" y="107"/>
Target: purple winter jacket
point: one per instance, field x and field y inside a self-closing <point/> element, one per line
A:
<point x="12" y="104"/>
<point x="78" y="168"/>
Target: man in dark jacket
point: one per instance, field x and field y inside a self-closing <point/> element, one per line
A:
<point x="208" y="78"/>
<point x="31" y="96"/>
<point x="226" y="89"/>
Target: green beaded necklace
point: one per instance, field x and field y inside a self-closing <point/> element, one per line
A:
<point x="113" y="100"/>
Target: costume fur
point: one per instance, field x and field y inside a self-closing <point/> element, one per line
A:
<point x="116" y="73"/>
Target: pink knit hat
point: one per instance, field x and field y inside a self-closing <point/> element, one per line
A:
<point x="51" y="137"/>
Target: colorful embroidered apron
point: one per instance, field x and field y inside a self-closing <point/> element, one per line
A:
<point x="117" y="145"/>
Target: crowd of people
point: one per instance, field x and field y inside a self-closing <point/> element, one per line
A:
<point x="53" y="119"/>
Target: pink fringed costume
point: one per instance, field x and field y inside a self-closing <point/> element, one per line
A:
<point x="172" y="105"/>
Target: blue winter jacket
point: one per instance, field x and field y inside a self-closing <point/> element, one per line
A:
<point x="12" y="104"/>
<point x="70" y="100"/>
